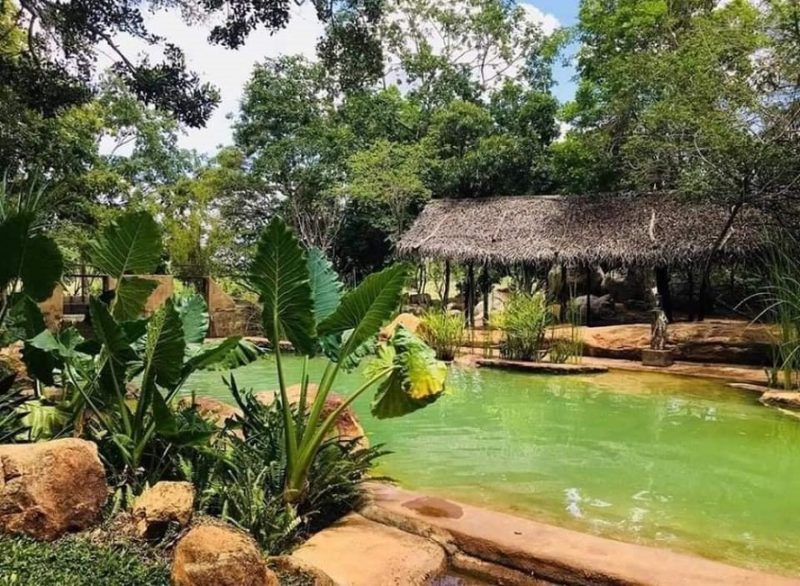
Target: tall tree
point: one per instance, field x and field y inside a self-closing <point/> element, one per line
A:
<point x="62" y="40"/>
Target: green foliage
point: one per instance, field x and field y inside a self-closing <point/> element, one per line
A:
<point x="781" y="297"/>
<point x="524" y="323"/>
<point x="141" y="437"/>
<point x="442" y="331"/>
<point x="11" y="399"/>
<point x="416" y="380"/>
<point x="282" y="275"/>
<point x="31" y="264"/>
<point x="247" y="488"/>
<point x="77" y="561"/>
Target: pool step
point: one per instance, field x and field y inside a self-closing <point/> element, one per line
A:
<point x="541" y="367"/>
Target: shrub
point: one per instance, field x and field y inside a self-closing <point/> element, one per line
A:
<point x="247" y="488"/>
<point x="444" y="332"/>
<point x="77" y="561"/>
<point x="782" y="300"/>
<point x="524" y="323"/>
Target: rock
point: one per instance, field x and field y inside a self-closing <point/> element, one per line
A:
<point x="624" y="284"/>
<point x="659" y="358"/>
<point x="162" y="504"/>
<point x="299" y="571"/>
<point x="211" y="409"/>
<point x="358" y="552"/>
<point x="11" y="363"/>
<point x="347" y="426"/>
<point x="782" y="399"/>
<point x="214" y="555"/>
<point x="721" y="341"/>
<point x="601" y="306"/>
<point x="408" y="320"/>
<point x="50" y="488"/>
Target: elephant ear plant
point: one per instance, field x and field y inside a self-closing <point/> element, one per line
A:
<point x="121" y="382"/>
<point x="30" y="262"/>
<point x="303" y="303"/>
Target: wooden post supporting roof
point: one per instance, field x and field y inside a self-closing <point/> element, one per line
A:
<point x="469" y="298"/>
<point x="485" y="286"/>
<point x="446" y="295"/>
<point x="588" y="295"/>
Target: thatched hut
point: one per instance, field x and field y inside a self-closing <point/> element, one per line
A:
<point x="659" y="231"/>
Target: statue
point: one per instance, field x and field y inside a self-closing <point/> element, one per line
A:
<point x="658" y="329"/>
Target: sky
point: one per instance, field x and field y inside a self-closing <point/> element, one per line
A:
<point x="229" y="70"/>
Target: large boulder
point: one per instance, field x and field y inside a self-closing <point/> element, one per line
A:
<point x="408" y="320"/>
<point x="347" y="426"/>
<point x="211" y="409"/>
<point x="161" y="505"/>
<point x="215" y="555"/>
<point x="50" y="488"/>
<point x="355" y="551"/>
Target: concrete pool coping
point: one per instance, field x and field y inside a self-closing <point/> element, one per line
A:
<point x="545" y="552"/>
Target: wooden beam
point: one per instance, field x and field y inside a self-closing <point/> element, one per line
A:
<point x="485" y="285"/>
<point x="470" y="297"/>
<point x="588" y="295"/>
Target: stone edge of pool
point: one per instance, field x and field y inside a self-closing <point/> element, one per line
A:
<point x="519" y="551"/>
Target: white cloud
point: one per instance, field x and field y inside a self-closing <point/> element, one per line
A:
<point x="548" y="22"/>
<point x="229" y="70"/>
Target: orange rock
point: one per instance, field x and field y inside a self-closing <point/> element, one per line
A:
<point x="408" y="320"/>
<point x="347" y="426"/>
<point x="162" y="504"/>
<point x="359" y="552"/>
<point x="50" y="488"/>
<point x="211" y="409"/>
<point x="214" y="555"/>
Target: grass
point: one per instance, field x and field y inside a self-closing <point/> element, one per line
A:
<point x="78" y="561"/>
<point x="443" y="332"/>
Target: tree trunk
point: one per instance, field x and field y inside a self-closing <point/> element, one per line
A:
<point x="690" y="286"/>
<point x="563" y="295"/>
<point x="662" y="285"/>
<point x="702" y="297"/>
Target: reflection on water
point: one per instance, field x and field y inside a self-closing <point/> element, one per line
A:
<point x="647" y="458"/>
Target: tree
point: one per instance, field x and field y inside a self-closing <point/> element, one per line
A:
<point x="691" y="96"/>
<point x="389" y="176"/>
<point x="460" y="49"/>
<point x="62" y="40"/>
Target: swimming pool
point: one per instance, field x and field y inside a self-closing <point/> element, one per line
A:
<point x="676" y="462"/>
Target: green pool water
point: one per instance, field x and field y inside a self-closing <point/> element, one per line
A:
<point x="662" y="460"/>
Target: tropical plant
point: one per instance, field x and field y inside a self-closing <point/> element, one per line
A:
<point x="30" y="263"/>
<point x="442" y="331"/>
<point x="303" y="303"/>
<point x="524" y="322"/>
<point x="247" y="487"/>
<point x="568" y="349"/>
<point x="781" y="297"/>
<point x="11" y="418"/>
<point x="121" y="383"/>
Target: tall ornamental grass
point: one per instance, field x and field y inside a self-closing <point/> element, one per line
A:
<point x="523" y="324"/>
<point x="444" y="332"/>
<point x="782" y="306"/>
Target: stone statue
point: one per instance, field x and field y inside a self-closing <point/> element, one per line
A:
<point x="658" y="329"/>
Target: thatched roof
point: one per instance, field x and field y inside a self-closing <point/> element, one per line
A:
<point x="624" y="229"/>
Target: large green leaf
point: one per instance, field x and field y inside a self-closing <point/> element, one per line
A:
<point x="279" y="273"/>
<point x="365" y="309"/>
<point x="25" y="321"/>
<point x="33" y="259"/>
<point x="231" y="353"/>
<point x="193" y="312"/>
<point x="110" y="333"/>
<point x="131" y="296"/>
<point x="129" y="245"/>
<point x="418" y="379"/>
<point x="325" y="286"/>
<point x="165" y="347"/>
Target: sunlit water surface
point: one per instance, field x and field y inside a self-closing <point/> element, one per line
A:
<point x="677" y="462"/>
